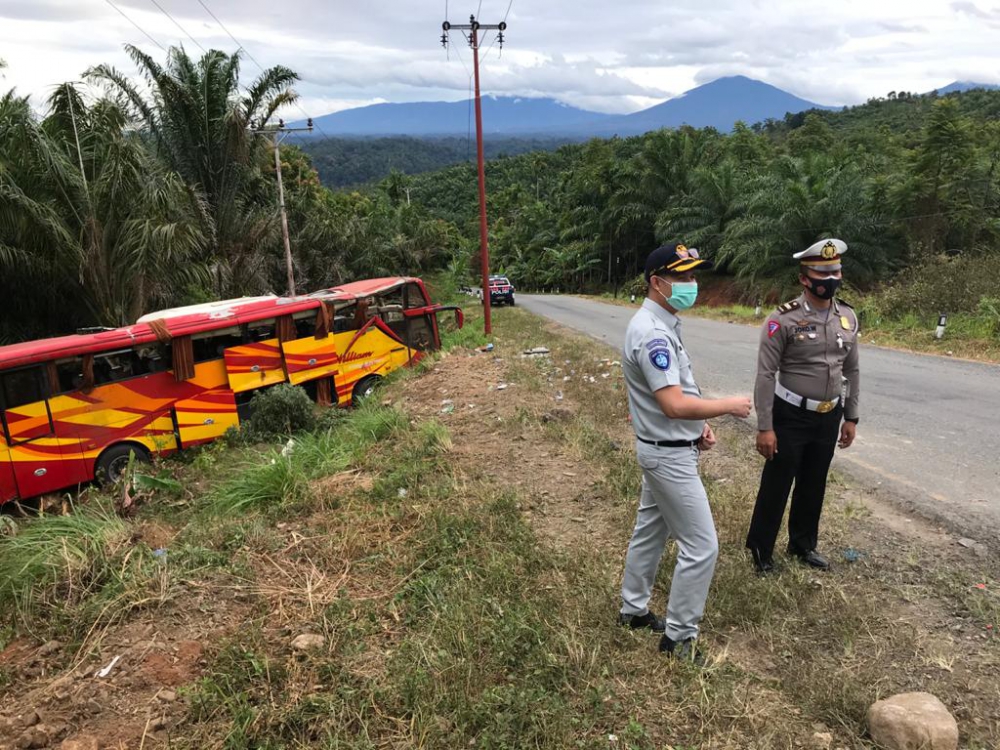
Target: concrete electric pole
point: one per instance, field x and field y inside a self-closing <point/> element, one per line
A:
<point x="474" y="27"/>
<point x="278" y="135"/>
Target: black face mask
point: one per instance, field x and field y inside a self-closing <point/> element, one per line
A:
<point x="823" y="288"/>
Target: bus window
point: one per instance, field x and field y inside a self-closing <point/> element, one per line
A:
<point x="22" y="387"/>
<point x="69" y="374"/>
<point x="414" y="297"/>
<point x="212" y="344"/>
<point x="111" y="367"/>
<point x="261" y="330"/>
<point x="305" y="324"/>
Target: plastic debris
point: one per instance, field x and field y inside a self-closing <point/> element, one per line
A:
<point x="559" y="395"/>
<point x="402" y="492"/>
<point x="538" y="351"/>
<point x="289" y="448"/>
<point x="102" y="673"/>
<point x="487" y="348"/>
<point x="502" y="387"/>
<point x="851" y="555"/>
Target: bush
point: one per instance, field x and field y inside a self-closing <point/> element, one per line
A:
<point x="280" y="412"/>
<point x="942" y="285"/>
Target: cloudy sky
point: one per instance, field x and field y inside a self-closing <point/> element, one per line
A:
<point x="607" y="56"/>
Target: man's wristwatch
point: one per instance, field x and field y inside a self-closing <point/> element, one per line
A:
<point x="853" y="420"/>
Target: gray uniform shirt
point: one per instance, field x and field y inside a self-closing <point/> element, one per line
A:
<point x="809" y="351"/>
<point x="654" y="358"/>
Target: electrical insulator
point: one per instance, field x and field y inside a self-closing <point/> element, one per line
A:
<point x="309" y="123"/>
<point x="444" y="40"/>
<point x="281" y="123"/>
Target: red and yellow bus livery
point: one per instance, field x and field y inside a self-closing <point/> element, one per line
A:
<point x="73" y="408"/>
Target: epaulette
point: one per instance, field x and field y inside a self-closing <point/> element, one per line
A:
<point x="788" y="307"/>
<point x="845" y="304"/>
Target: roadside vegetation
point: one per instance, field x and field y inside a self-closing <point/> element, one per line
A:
<point x="439" y="568"/>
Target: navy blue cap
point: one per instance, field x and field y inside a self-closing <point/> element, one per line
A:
<point x="674" y="258"/>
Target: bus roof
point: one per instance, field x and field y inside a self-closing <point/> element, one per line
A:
<point x="187" y="320"/>
<point x="364" y="288"/>
<point x="179" y="324"/>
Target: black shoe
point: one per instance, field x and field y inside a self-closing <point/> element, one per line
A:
<point x="686" y="650"/>
<point x="763" y="563"/>
<point x="648" y="620"/>
<point x="812" y="558"/>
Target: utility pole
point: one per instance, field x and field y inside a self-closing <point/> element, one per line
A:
<point x="278" y="135"/>
<point x="475" y="27"/>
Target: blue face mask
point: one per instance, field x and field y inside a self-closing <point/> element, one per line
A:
<point x="682" y="294"/>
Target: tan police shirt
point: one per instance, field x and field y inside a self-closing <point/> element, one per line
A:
<point x="809" y="352"/>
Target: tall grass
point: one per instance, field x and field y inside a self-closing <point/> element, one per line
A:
<point x="55" y="564"/>
<point x="276" y="477"/>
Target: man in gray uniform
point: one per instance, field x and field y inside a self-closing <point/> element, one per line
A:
<point x="812" y="342"/>
<point x="668" y="415"/>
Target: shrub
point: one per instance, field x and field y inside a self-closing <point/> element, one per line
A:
<point x="280" y="412"/>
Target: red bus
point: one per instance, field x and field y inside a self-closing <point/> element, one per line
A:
<point x="73" y="408"/>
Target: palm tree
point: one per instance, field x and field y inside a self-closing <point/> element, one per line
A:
<point x="93" y="229"/>
<point x="205" y="129"/>
<point x="796" y="203"/>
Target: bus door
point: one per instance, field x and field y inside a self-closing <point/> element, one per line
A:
<point x="40" y="460"/>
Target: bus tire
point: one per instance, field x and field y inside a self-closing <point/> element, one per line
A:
<point x="364" y="388"/>
<point x="111" y="464"/>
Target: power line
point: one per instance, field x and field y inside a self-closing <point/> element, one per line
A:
<point x="183" y="30"/>
<point x="142" y="30"/>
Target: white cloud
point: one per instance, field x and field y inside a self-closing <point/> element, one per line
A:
<point x="589" y="53"/>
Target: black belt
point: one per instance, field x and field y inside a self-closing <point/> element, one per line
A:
<point x="670" y="443"/>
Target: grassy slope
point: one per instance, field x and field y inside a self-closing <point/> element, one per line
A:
<point x="462" y="566"/>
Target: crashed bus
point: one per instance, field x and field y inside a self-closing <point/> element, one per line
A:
<point x="74" y="408"/>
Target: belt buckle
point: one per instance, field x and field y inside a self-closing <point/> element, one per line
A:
<point x="825" y="406"/>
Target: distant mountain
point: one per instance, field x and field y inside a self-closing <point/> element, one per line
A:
<point x="961" y="86"/>
<point x="719" y="104"/>
<point x="501" y="116"/>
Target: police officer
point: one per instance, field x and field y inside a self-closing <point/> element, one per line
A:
<point x="807" y="383"/>
<point x="668" y="414"/>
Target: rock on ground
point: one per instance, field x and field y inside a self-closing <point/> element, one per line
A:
<point x="913" y="721"/>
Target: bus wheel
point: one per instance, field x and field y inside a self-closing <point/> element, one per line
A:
<point x="111" y="464"/>
<point x="364" y="389"/>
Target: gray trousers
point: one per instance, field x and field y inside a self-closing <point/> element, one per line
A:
<point x="673" y="504"/>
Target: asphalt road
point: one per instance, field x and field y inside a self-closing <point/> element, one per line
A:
<point x="930" y="427"/>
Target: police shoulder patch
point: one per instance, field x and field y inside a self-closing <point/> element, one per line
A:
<point x="660" y="358"/>
<point x="773" y="327"/>
<point x="656" y="344"/>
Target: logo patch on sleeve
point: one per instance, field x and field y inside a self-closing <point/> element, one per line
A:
<point x="656" y="344"/>
<point x="660" y="359"/>
<point x="773" y="327"/>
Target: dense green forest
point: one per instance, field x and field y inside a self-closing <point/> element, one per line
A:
<point x="906" y="181"/>
<point x="344" y="162"/>
<point x="164" y="193"/>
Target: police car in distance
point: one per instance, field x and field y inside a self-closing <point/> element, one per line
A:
<point x="501" y="291"/>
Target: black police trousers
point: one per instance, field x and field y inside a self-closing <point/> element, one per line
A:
<point x="806" y="444"/>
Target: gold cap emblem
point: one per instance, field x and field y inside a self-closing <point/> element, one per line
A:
<point x="829" y="251"/>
